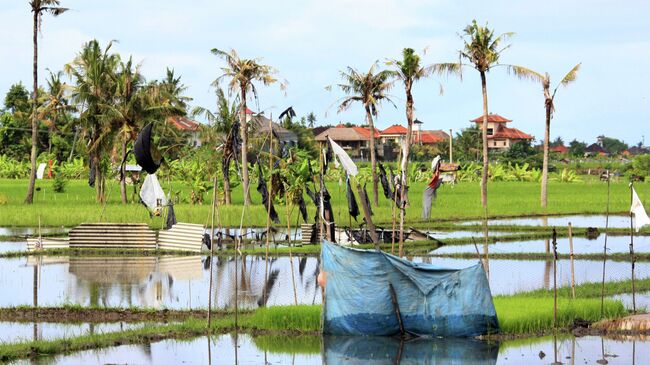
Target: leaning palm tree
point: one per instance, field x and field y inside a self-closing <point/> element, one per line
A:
<point x="549" y="97"/>
<point x="38" y="7"/>
<point x="482" y="50"/>
<point x="242" y="73"/>
<point x="93" y="72"/>
<point x="409" y="71"/>
<point x="369" y="89"/>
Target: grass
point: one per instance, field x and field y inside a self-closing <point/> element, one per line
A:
<point x="462" y="201"/>
<point x="546" y="256"/>
<point x="593" y="290"/>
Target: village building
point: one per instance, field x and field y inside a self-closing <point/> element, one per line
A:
<point x="261" y="126"/>
<point x="595" y="149"/>
<point x="396" y="133"/>
<point x="354" y="140"/>
<point x="190" y="128"/>
<point x="498" y="134"/>
<point x="561" y="149"/>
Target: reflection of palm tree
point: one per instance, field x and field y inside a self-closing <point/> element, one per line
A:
<point x="268" y="286"/>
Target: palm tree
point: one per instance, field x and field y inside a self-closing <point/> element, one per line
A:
<point x="93" y="71"/>
<point x="242" y="72"/>
<point x="409" y="71"/>
<point x="482" y="49"/>
<point x="222" y="123"/>
<point x="126" y="110"/>
<point x="549" y="97"/>
<point x="38" y="7"/>
<point x="370" y="89"/>
<point x="54" y="105"/>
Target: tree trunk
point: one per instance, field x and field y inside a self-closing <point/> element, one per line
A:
<point x="547" y="132"/>
<point x="225" y="169"/>
<point x="486" y="162"/>
<point x="99" y="178"/>
<point x="405" y="162"/>
<point x="373" y="159"/>
<point x="32" y="173"/>
<point x="123" y="174"/>
<point x="243" y="128"/>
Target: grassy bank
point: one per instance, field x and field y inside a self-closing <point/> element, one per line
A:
<point x="461" y="201"/>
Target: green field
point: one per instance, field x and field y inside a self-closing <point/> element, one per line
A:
<point x="462" y="201"/>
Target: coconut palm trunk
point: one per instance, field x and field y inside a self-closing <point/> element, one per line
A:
<point x="123" y="173"/>
<point x="547" y="136"/>
<point x="243" y="128"/>
<point x="373" y="158"/>
<point x="225" y="170"/>
<point x="486" y="162"/>
<point x="32" y="173"/>
<point x="405" y="159"/>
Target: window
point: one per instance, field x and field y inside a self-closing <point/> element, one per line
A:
<point x="490" y="131"/>
<point x="504" y="143"/>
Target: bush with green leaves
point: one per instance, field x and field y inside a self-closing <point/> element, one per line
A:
<point x="641" y="165"/>
<point x="59" y="183"/>
<point x="13" y="169"/>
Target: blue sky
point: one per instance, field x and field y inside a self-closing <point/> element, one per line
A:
<point x="309" y="42"/>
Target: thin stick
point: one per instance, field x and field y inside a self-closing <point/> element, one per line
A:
<point x="554" y="279"/>
<point x="214" y="206"/>
<point x="268" y="212"/>
<point x="321" y="205"/>
<point x="393" y="298"/>
<point x="293" y="278"/>
<point x="602" y="289"/>
<point x="632" y="250"/>
<point x="573" y="279"/>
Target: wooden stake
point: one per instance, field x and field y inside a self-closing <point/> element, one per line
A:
<point x="573" y="279"/>
<point x="451" y="151"/>
<point x="554" y="279"/>
<point x="214" y="206"/>
<point x="366" y="214"/>
<point x="602" y="288"/>
<point x="393" y="298"/>
<point x="632" y="258"/>
<point x="268" y="212"/>
<point x="293" y="279"/>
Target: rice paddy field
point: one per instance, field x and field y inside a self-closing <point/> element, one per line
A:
<point x="114" y="306"/>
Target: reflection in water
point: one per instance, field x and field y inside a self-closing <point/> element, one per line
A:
<point x="244" y="349"/>
<point x="583" y="221"/>
<point x="181" y="282"/>
<point x="11" y="332"/>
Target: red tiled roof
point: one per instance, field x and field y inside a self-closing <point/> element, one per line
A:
<point x="343" y="133"/>
<point x="395" y="129"/>
<point x="183" y="124"/>
<point x="560" y="149"/>
<point x="366" y="132"/>
<point x="427" y="137"/>
<point x="509" y="133"/>
<point x="494" y="118"/>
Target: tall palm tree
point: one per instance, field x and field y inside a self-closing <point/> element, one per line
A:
<point x="222" y="123"/>
<point x="409" y="70"/>
<point x="369" y="89"/>
<point x="549" y="97"/>
<point x="55" y="106"/>
<point x="38" y="7"/>
<point x="482" y="49"/>
<point x="126" y="110"/>
<point x="242" y="73"/>
<point x="93" y="72"/>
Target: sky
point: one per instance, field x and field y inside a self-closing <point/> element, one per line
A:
<point x="310" y="42"/>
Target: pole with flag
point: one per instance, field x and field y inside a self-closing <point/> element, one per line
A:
<point x="638" y="219"/>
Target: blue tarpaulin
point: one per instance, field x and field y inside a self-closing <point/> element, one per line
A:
<point x="432" y="301"/>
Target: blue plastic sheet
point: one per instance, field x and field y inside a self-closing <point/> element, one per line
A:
<point x="433" y="301"/>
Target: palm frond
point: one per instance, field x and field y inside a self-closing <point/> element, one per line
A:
<point x="523" y="73"/>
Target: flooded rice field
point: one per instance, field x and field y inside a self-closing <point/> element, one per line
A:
<point x="583" y="221"/>
<point x="581" y="245"/>
<point x="11" y="332"/>
<point x="245" y="349"/>
<point x="181" y="282"/>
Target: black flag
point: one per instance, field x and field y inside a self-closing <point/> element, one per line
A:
<point x="353" y="207"/>
<point x="262" y="189"/>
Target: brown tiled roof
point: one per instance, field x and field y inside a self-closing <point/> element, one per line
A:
<point x="509" y="133"/>
<point x="560" y="149"/>
<point x="183" y="124"/>
<point x="595" y="148"/>
<point x="430" y="137"/>
<point x="343" y="133"/>
<point x="494" y="118"/>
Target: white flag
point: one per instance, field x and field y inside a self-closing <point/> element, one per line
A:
<point x="435" y="163"/>
<point x="640" y="216"/>
<point x="345" y="160"/>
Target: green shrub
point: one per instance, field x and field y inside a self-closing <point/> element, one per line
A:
<point x="59" y="182"/>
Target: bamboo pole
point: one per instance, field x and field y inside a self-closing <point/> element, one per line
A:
<point x="632" y="250"/>
<point x="602" y="288"/>
<point x="293" y="279"/>
<point x="573" y="279"/>
<point x="268" y="212"/>
<point x="554" y="279"/>
<point x="451" y="151"/>
<point x="214" y="206"/>
<point x="394" y="206"/>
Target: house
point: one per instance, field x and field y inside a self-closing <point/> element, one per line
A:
<point x="191" y="128"/>
<point x="396" y="133"/>
<point x="595" y="149"/>
<point x="354" y="140"/>
<point x="260" y="125"/>
<point x="499" y="135"/>
<point x="561" y="149"/>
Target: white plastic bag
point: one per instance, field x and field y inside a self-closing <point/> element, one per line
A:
<point x="152" y="194"/>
